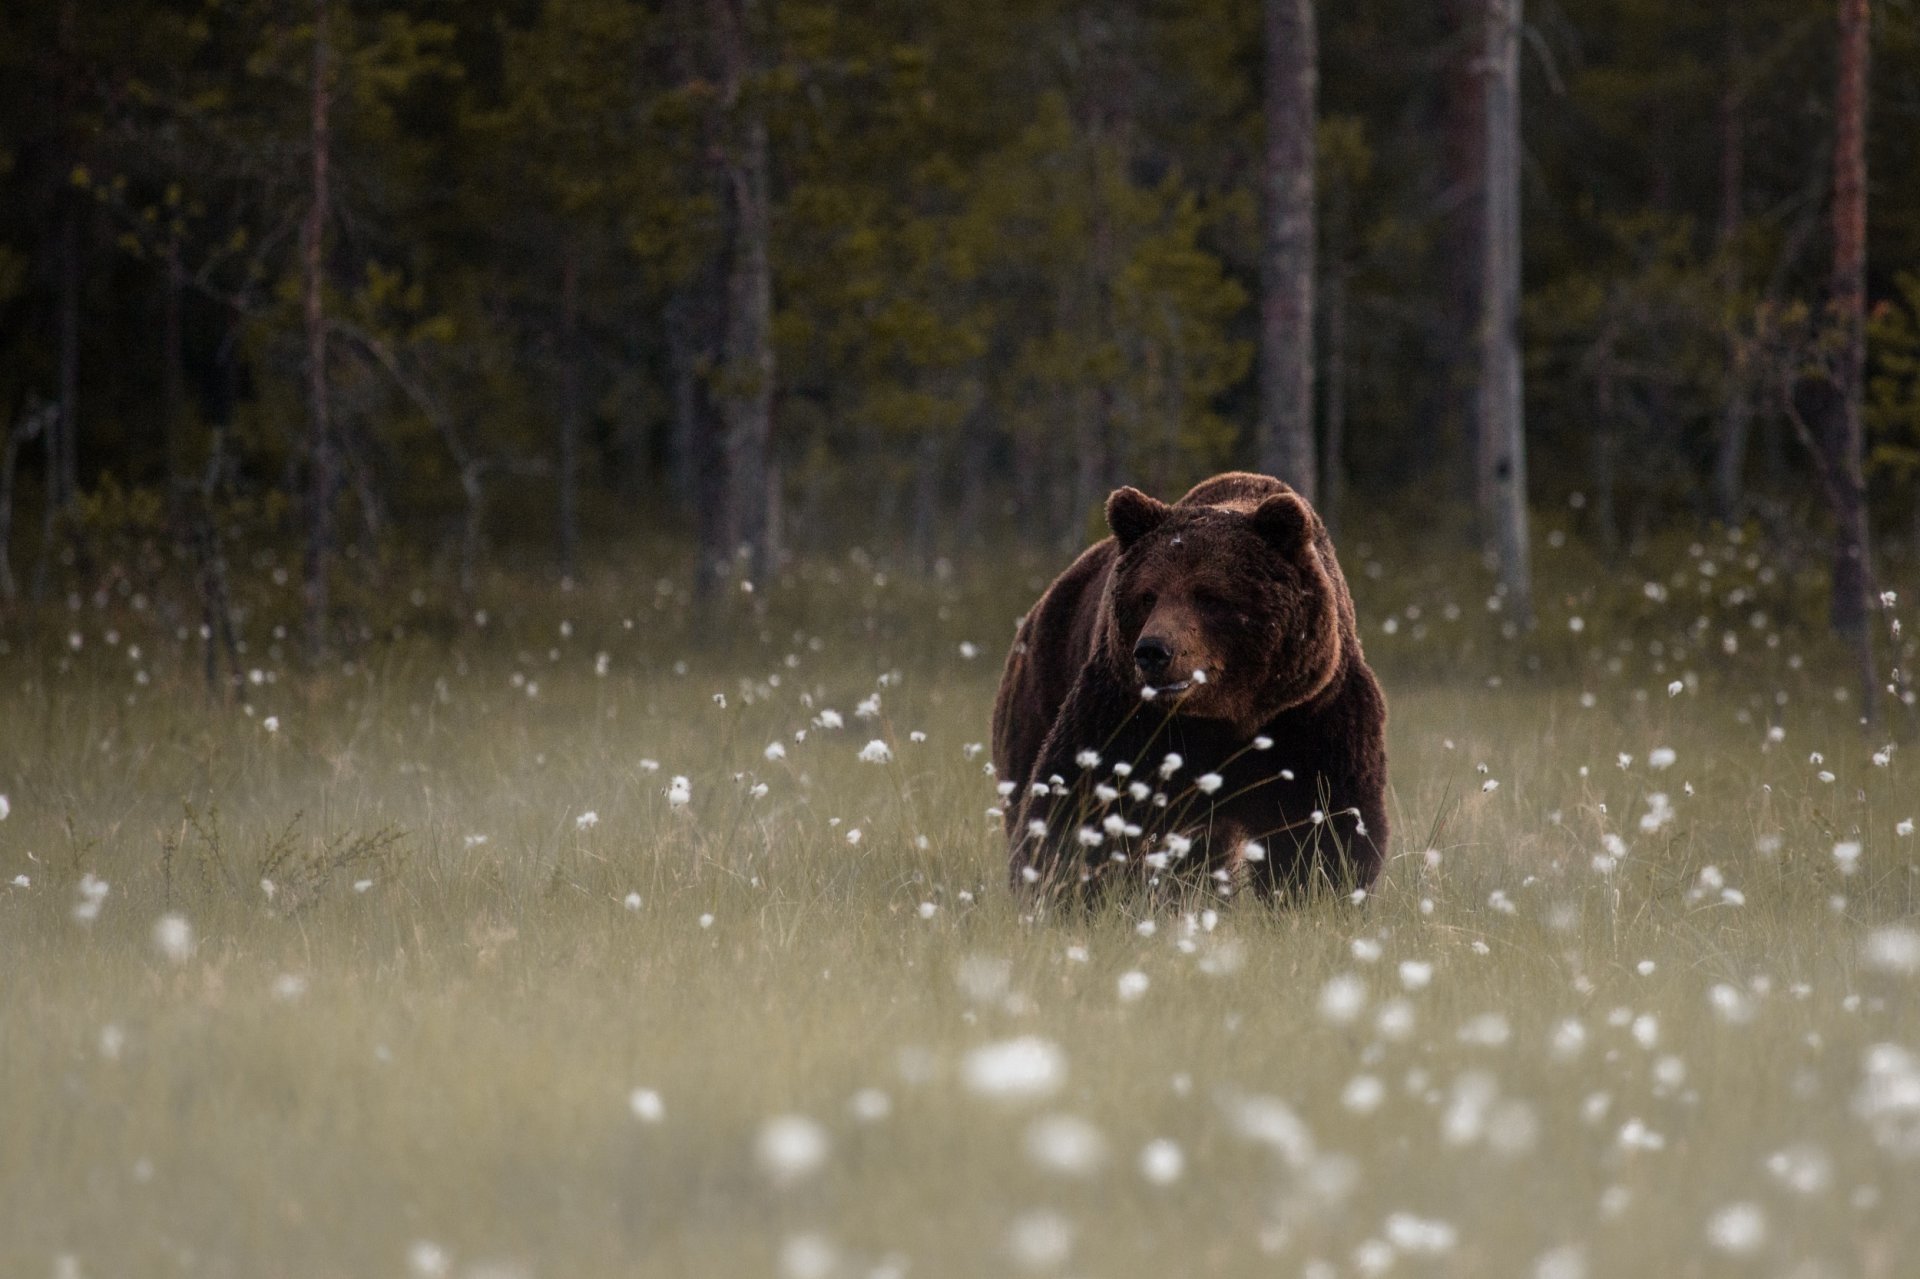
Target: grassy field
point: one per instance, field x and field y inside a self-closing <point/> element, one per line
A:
<point x="420" y="966"/>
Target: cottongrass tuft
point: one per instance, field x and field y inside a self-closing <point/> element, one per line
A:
<point x="1738" y="1229"/>
<point x="173" y="938"/>
<point x="1040" y="1240"/>
<point x="1020" y="1069"/>
<point x="1162" y="1161"/>
<point x="791" y="1147"/>
<point x="1066" y="1144"/>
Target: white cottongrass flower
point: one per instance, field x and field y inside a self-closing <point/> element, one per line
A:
<point x="1566" y="1262"/>
<point x="1416" y="974"/>
<point x="646" y="1105"/>
<point x="1803" y="1168"/>
<point x="1892" y="950"/>
<point x="1015" y="1069"/>
<point x="1661" y="757"/>
<point x="1846" y="855"/>
<point x="1420" y="1236"/>
<point x="1132" y="986"/>
<point x="587" y="820"/>
<point x="679" y="793"/>
<point x="1088" y="759"/>
<point x="1489" y="786"/>
<point x="21" y="881"/>
<point x="1067" y="1145"/>
<point x="1569" y="1040"/>
<point x="1738" y="1229"/>
<point x="808" y="1256"/>
<point x="829" y="719"/>
<point x="1363" y="1094"/>
<point x="92" y="892"/>
<point x="6" y="808"/>
<point x="1465" y="1119"/>
<point x="1675" y="688"/>
<point x="791" y="1147"/>
<point x="1208" y="783"/>
<point x="1488" y="1030"/>
<point x="969" y="650"/>
<point x="1270" y="1122"/>
<point x="1888" y="1099"/>
<point x="271" y="723"/>
<point x="870" y="1105"/>
<point x="1171" y="764"/>
<point x="288" y="987"/>
<point x="173" y="938"/>
<point x="1903" y="828"/>
<point x="1162" y="1162"/>
<point x="1343" y="998"/>
<point x="631" y="901"/>
<point x="876" y="752"/>
<point x="1659" y="813"/>
<point x="428" y="1260"/>
<point x="775" y="751"/>
<point x="869" y="707"/>
<point x="1040" y="1240"/>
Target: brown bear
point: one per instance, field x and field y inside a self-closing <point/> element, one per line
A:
<point x="1188" y="704"/>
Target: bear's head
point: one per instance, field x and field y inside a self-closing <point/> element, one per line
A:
<point x="1227" y="612"/>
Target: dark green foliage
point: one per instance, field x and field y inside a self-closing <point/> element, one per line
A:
<point x="1014" y="251"/>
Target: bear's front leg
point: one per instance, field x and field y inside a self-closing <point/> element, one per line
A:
<point x="1060" y="835"/>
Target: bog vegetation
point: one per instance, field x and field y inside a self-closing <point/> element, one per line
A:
<point x="547" y="935"/>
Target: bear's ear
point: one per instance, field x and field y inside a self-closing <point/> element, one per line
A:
<point x="1132" y="515"/>
<point x="1285" y="521"/>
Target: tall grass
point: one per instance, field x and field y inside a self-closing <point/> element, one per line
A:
<point x="455" y="986"/>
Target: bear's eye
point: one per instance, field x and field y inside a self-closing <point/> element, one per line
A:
<point x="1146" y="601"/>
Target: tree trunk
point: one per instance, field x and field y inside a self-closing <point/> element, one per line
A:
<point x="1736" y="414"/>
<point x="66" y="440"/>
<point x="320" y="475"/>
<point x="1502" y="487"/>
<point x="747" y="375"/>
<point x="1286" y="261"/>
<point x="172" y="372"/>
<point x="1463" y="233"/>
<point x="1852" y="567"/>
<point x="1333" y="482"/>
<point x="569" y="408"/>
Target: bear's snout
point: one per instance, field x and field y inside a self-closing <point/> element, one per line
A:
<point x="1152" y="655"/>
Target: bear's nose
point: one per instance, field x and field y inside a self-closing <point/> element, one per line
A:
<point x="1152" y="654"/>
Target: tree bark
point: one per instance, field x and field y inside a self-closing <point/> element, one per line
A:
<point x="569" y="407"/>
<point x="1334" y="468"/>
<point x="321" y="465"/>
<point x="172" y="371"/>
<point x="747" y="377"/>
<point x="1502" y="487"/>
<point x="1287" y="258"/>
<point x="1736" y="414"/>
<point x="1845" y="441"/>
<point x="1462" y="234"/>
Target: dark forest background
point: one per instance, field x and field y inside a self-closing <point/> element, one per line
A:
<point x="466" y="280"/>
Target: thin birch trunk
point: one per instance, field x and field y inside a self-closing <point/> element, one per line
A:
<point x="1287" y="260"/>
<point x="1502" y="453"/>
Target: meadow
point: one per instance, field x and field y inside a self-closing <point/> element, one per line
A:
<point x="550" y="934"/>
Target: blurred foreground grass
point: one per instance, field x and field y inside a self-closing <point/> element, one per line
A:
<point x="449" y="984"/>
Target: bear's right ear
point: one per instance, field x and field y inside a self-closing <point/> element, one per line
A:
<point x="1132" y="515"/>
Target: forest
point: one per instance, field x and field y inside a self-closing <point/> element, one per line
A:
<point x="454" y="280"/>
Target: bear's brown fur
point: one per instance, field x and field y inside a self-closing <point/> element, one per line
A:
<point x="1230" y="606"/>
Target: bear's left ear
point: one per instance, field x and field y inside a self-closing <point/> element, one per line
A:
<point x="1285" y="521"/>
<point x="1132" y="515"/>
